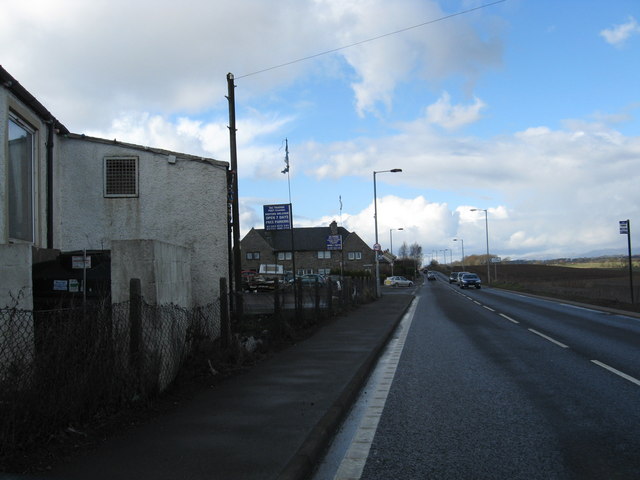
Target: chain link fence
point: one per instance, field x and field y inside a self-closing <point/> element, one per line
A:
<point x="62" y="367"/>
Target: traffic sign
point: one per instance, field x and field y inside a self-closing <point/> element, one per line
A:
<point x="624" y="227"/>
<point x="377" y="247"/>
<point x="334" y="242"/>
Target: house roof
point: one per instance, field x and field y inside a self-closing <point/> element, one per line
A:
<point x="25" y="97"/>
<point x="310" y="239"/>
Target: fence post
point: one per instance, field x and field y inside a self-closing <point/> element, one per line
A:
<point x="329" y="298"/>
<point x="135" y="326"/>
<point x="276" y="297"/>
<point x="225" y="323"/>
<point x="316" y="291"/>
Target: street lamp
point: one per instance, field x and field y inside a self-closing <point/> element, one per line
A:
<point x="391" y="238"/>
<point x="391" y="245"/>
<point x="375" y="217"/>
<point x="461" y="243"/>
<point x="486" y="229"/>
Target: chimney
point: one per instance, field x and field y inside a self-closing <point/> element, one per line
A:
<point x="334" y="228"/>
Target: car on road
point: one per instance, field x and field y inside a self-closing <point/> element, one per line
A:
<point x="469" y="280"/>
<point x="455" y="277"/>
<point x="397" y="281"/>
<point x="431" y="276"/>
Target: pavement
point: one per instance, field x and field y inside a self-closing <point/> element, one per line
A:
<point x="272" y="422"/>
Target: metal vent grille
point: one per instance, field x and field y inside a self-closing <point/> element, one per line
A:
<point x="121" y="177"/>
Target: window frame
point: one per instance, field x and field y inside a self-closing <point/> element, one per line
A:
<point x="284" y="256"/>
<point x="324" y="254"/>
<point x="19" y="122"/>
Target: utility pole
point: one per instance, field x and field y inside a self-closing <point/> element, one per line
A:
<point x="236" y="286"/>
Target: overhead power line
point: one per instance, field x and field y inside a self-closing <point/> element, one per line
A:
<point x="446" y="17"/>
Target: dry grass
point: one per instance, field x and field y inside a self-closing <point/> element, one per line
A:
<point x="607" y="287"/>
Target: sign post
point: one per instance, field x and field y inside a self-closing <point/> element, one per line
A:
<point x="625" y="229"/>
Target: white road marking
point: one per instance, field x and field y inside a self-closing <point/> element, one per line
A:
<point x="548" y="338"/>
<point x="617" y="372"/>
<point x="353" y="463"/>
<point x="509" y="318"/>
<point x="489" y="308"/>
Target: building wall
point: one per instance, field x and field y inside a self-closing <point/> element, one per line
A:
<point x="164" y="271"/>
<point x="17" y="287"/>
<point x="182" y="201"/>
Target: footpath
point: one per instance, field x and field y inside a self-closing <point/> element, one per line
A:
<point x="272" y="422"/>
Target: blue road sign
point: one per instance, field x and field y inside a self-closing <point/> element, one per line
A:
<point x="334" y="242"/>
<point x="277" y="217"/>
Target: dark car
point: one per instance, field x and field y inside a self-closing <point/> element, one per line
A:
<point x="431" y="276"/>
<point x="469" y="280"/>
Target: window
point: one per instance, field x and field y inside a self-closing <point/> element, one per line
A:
<point x="354" y="255"/>
<point x="324" y="271"/>
<point x="121" y="177"/>
<point x="324" y="254"/>
<point x="284" y="255"/>
<point x="304" y="271"/>
<point x="21" y="179"/>
<point x="253" y="255"/>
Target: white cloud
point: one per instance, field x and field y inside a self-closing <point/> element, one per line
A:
<point x="619" y="34"/>
<point x="453" y="116"/>
<point x="432" y="52"/>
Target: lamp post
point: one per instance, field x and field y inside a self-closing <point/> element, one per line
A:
<point x="462" y="244"/>
<point x="375" y="218"/>
<point x="391" y="245"/>
<point x="486" y="229"/>
<point x="391" y="238"/>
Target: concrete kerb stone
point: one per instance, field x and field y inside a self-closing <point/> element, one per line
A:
<point x="304" y="461"/>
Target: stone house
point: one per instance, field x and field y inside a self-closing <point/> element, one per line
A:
<point x="269" y="247"/>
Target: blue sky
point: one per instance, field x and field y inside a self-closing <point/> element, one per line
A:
<point x="529" y="109"/>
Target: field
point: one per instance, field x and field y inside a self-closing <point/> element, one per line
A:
<point x="608" y="287"/>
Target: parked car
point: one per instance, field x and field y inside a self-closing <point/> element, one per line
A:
<point x="431" y="276"/>
<point x="397" y="281"/>
<point x="469" y="280"/>
<point x="310" y="279"/>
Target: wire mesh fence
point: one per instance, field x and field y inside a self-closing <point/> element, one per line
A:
<point x="60" y="367"/>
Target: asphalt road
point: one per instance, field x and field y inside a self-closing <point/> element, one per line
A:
<point x="494" y="385"/>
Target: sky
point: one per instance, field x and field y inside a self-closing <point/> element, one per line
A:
<point x="526" y="109"/>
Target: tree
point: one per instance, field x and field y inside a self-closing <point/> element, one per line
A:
<point x="403" y="252"/>
<point x="415" y="252"/>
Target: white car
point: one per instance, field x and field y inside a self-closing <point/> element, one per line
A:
<point x="398" y="282"/>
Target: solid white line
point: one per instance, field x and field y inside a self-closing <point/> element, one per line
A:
<point x="489" y="308"/>
<point x="355" y="458"/>
<point x="548" y="338"/>
<point x="509" y="318"/>
<point x="617" y="372"/>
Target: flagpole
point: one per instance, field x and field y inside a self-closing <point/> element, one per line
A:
<point x="293" y="248"/>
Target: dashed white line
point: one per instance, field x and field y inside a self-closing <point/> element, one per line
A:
<point x="617" y="372"/>
<point x="508" y="318"/>
<point x="489" y="308"/>
<point x="548" y="338"/>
